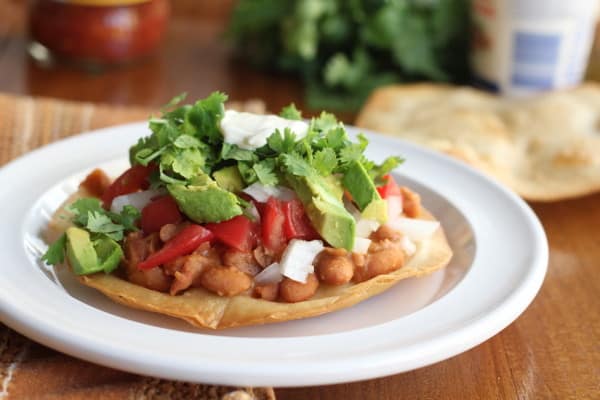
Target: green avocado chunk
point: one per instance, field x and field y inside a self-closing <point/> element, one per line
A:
<point x="364" y="193"/>
<point x="229" y="178"/>
<point x="87" y="257"/>
<point x="202" y="200"/>
<point x="325" y="210"/>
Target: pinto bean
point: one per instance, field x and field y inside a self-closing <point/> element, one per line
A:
<point x="225" y="281"/>
<point x="267" y="291"/>
<point x="385" y="232"/>
<point x="411" y="202"/>
<point x="383" y="261"/>
<point x="242" y="260"/>
<point x="292" y="291"/>
<point x="167" y="232"/>
<point x="334" y="269"/>
<point x="153" y="278"/>
<point x="96" y="183"/>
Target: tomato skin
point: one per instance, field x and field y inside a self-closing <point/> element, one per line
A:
<point x="183" y="243"/>
<point x="296" y="224"/>
<point x="390" y="188"/>
<point x="238" y="232"/>
<point x="132" y="180"/>
<point x="160" y="211"/>
<point x="272" y="222"/>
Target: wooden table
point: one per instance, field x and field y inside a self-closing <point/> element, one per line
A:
<point x="551" y="352"/>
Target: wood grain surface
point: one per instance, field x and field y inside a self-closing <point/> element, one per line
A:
<point x="551" y="352"/>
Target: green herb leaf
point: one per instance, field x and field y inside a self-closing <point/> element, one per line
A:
<point x="295" y="164"/>
<point x="101" y="223"/>
<point x="186" y="142"/>
<point x="82" y="208"/>
<point x="291" y="112"/>
<point x="56" y="251"/>
<point x="282" y="143"/>
<point x="325" y="161"/>
<point x="265" y="172"/>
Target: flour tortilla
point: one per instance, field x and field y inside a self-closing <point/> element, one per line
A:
<point x="202" y="308"/>
<point x="545" y="148"/>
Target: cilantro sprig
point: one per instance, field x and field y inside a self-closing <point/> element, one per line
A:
<point x="89" y="214"/>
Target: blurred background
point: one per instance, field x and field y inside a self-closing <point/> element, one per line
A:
<point x="318" y="53"/>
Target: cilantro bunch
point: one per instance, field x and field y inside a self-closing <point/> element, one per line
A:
<point x="344" y="49"/>
<point x="187" y="141"/>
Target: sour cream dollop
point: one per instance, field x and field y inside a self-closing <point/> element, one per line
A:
<point x="250" y="131"/>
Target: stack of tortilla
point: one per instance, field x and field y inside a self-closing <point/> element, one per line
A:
<point x="545" y="148"/>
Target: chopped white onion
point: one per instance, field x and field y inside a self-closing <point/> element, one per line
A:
<point x="351" y="208"/>
<point x="394" y="206"/>
<point x="364" y="227"/>
<point x="408" y="246"/>
<point x="361" y="245"/>
<point x="137" y="199"/>
<point x="297" y="259"/>
<point x="270" y="274"/>
<point x="415" y="229"/>
<point x="261" y="193"/>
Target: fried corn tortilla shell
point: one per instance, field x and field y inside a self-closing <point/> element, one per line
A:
<point x="545" y="148"/>
<point x="202" y="308"/>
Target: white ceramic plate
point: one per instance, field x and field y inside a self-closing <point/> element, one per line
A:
<point x="499" y="265"/>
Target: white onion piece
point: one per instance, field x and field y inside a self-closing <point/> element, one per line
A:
<point x="261" y="193"/>
<point x="364" y="227"/>
<point x="361" y="245"/>
<point x="297" y="259"/>
<point x="270" y="274"/>
<point x="408" y="246"/>
<point x="352" y="209"/>
<point x="137" y="199"/>
<point x="415" y="229"/>
<point x="394" y="206"/>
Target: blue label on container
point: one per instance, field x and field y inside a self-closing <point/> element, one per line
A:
<point x="535" y="57"/>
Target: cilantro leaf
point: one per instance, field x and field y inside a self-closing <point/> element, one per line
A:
<point x="174" y="101"/>
<point x="186" y="142"/>
<point x="101" y="223"/>
<point x="56" y="251"/>
<point x="233" y="152"/>
<point x="325" y="161"/>
<point x="291" y="112"/>
<point x="385" y="167"/>
<point x="265" y="172"/>
<point x="188" y="162"/>
<point x="202" y="119"/>
<point x="82" y="208"/>
<point x="282" y="143"/>
<point x="128" y="217"/>
<point x="295" y="164"/>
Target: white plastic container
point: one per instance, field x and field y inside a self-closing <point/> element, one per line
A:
<point x="526" y="46"/>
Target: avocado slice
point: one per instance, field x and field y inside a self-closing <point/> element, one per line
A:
<point x="229" y="178"/>
<point x="325" y="210"/>
<point x="202" y="200"/>
<point x="87" y="257"/>
<point x="364" y="193"/>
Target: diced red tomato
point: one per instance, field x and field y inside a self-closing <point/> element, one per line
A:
<point x="160" y="211"/>
<point x="132" y="180"/>
<point x="390" y="188"/>
<point x="238" y="232"/>
<point x="183" y="243"/>
<point x="272" y="222"/>
<point x="296" y="224"/>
